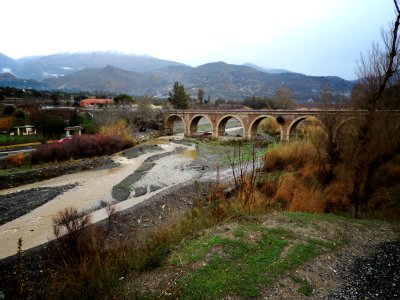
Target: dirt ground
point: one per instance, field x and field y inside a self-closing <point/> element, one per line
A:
<point x="332" y="276"/>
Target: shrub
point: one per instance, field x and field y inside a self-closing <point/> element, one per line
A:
<point x="16" y="160"/>
<point x="80" y="146"/>
<point x="6" y="123"/>
<point x="84" y="255"/>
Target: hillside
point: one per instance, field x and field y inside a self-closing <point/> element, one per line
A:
<point x="7" y="64"/>
<point x="139" y="75"/>
<point x="7" y="79"/>
<point x="227" y="81"/>
<point x="62" y="64"/>
<point x="108" y="79"/>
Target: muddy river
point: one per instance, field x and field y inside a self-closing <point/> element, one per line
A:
<point x="94" y="187"/>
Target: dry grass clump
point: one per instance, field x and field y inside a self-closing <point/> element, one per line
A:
<point x="6" y="123"/>
<point x="288" y="156"/>
<point x="298" y="187"/>
<point x="270" y="126"/>
<point x="118" y="128"/>
<point x="307" y="200"/>
<point x="15" y="160"/>
<point x="299" y="184"/>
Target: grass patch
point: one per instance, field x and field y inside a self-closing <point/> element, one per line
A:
<point x="307" y="219"/>
<point x="240" y="267"/>
<point x="223" y="149"/>
<point x="194" y="250"/>
<point x="6" y="140"/>
<point x="238" y="271"/>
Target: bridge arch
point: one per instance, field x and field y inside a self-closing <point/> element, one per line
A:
<point x="221" y="123"/>
<point x="342" y="123"/>
<point x="170" y="121"/>
<point x="256" y="122"/>
<point x="292" y="126"/>
<point x="194" y="121"/>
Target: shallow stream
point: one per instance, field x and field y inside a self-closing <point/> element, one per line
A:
<point x="94" y="187"/>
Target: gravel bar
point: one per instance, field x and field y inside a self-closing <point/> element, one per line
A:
<point x="372" y="277"/>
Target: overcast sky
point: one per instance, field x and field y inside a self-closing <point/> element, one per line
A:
<point x="314" y="37"/>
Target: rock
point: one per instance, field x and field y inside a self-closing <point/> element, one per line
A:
<point x="154" y="188"/>
<point x="140" y="191"/>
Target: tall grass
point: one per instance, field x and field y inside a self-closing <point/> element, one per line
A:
<point x="288" y="156"/>
<point x="118" y="128"/>
<point x="298" y="187"/>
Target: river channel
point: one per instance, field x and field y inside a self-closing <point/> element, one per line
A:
<point x="93" y="188"/>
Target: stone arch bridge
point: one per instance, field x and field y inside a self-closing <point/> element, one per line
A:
<point x="250" y="119"/>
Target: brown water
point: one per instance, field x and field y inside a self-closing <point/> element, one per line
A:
<point x="35" y="228"/>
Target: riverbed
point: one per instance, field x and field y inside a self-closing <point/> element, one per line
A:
<point x="90" y="190"/>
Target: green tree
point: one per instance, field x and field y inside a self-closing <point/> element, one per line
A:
<point x="74" y="118"/>
<point x="8" y="110"/>
<point x="200" y="96"/>
<point x="123" y="99"/>
<point x="178" y="96"/>
<point x="53" y="125"/>
<point x="56" y="99"/>
<point x="19" y="118"/>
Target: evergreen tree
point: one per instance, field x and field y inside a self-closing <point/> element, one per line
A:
<point x="200" y="96"/>
<point x="74" y="118"/>
<point x="178" y="96"/>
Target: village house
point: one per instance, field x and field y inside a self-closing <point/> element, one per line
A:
<point x="93" y="102"/>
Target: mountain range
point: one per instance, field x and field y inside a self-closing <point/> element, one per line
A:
<point x="146" y="75"/>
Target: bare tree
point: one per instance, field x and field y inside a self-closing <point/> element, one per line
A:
<point x="284" y="98"/>
<point x="328" y="142"/>
<point x="376" y="139"/>
<point x="245" y="170"/>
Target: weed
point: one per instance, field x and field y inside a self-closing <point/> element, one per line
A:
<point x="239" y="231"/>
<point x="305" y="288"/>
<point x="20" y="274"/>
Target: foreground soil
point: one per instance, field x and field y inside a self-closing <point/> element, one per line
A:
<point x="366" y="264"/>
<point x="368" y="258"/>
